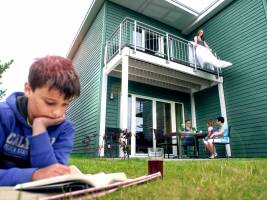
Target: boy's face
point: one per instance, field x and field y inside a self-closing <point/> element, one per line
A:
<point x="43" y="102"/>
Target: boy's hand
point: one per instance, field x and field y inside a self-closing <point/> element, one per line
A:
<point x="50" y="171"/>
<point x="40" y="124"/>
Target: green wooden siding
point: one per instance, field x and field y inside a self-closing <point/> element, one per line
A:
<point x="239" y="34"/>
<point x="207" y="105"/>
<point x="85" y="111"/>
<point x="112" y="117"/>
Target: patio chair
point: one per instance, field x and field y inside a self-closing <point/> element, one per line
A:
<point x="165" y="141"/>
<point x="226" y="144"/>
<point x="111" y="138"/>
<point x="116" y="141"/>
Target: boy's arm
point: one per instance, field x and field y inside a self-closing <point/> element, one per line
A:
<point x="15" y="176"/>
<point x="43" y="153"/>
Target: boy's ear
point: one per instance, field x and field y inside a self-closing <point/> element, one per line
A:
<point x="27" y="89"/>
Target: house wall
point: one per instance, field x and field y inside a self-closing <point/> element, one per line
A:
<point x="88" y="61"/>
<point x="207" y="107"/>
<point x="112" y="117"/>
<point x="239" y="34"/>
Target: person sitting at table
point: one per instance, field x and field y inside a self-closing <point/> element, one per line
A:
<point x="211" y="129"/>
<point x="217" y="136"/>
<point x="187" y="140"/>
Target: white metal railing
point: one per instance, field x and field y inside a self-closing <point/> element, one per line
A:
<point x="143" y="37"/>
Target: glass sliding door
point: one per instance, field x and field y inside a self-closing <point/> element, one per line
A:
<point x="143" y="116"/>
<point x="179" y="115"/>
<point x="163" y="117"/>
<point x="147" y="113"/>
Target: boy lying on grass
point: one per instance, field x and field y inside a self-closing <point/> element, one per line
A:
<point x="35" y="136"/>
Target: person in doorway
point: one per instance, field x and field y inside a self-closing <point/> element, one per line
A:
<point x="35" y="136"/>
<point x="217" y="136"/>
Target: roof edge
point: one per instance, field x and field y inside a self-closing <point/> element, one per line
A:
<point x="209" y="13"/>
<point x="87" y="21"/>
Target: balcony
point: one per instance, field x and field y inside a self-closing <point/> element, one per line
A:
<point x="145" y="38"/>
<point x="157" y="58"/>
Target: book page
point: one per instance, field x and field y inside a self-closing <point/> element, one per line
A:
<point x="76" y="179"/>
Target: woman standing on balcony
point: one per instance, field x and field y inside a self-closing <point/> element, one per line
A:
<point x="200" y="39"/>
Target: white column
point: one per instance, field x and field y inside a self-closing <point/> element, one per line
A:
<point x="133" y="126"/>
<point x="124" y="92"/>
<point x="193" y="109"/>
<point x="154" y="121"/>
<point x="223" y="113"/>
<point x="173" y="124"/>
<point x="222" y="101"/>
<point x="124" y="95"/>
<point x="103" y="114"/>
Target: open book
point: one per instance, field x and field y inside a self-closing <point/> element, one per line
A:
<point x="71" y="182"/>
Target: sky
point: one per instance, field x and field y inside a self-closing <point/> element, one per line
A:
<point x="32" y="29"/>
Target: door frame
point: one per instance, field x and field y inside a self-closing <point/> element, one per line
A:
<point x="154" y="119"/>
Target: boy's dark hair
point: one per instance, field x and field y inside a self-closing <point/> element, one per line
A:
<point x="55" y="72"/>
<point x="220" y="119"/>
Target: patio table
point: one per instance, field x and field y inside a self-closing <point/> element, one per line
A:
<point x="196" y="137"/>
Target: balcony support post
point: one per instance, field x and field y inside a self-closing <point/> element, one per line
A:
<point x="124" y="95"/>
<point x="101" y="143"/>
<point x="193" y="108"/>
<point x="124" y="92"/>
<point x="223" y="113"/>
<point x="222" y="101"/>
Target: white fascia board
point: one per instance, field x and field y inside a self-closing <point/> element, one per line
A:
<point x="87" y="22"/>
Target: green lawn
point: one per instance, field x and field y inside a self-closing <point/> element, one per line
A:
<point x="187" y="179"/>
